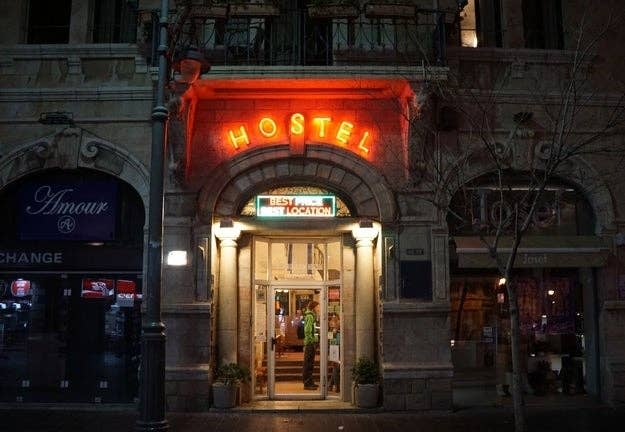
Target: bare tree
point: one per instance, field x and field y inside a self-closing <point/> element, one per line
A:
<point x="565" y="124"/>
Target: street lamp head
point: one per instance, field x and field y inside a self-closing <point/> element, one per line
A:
<point x="190" y="63"/>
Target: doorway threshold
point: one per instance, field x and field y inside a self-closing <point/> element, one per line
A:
<point x="299" y="405"/>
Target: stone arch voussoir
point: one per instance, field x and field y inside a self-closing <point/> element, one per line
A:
<point x="232" y="184"/>
<point x="577" y="171"/>
<point x="73" y="148"/>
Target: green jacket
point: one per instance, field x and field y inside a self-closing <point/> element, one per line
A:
<point x="309" y="327"/>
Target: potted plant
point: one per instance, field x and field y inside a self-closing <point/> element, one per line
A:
<point x="366" y="378"/>
<point x="226" y="384"/>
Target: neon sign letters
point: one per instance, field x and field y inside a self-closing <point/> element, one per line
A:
<point x="295" y="206"/>
<point x="342" y="133"/>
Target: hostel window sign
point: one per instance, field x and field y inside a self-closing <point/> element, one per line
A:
<point x="295" y="206"/>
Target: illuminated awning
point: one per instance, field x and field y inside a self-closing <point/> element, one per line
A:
<point x="535" y="251"/>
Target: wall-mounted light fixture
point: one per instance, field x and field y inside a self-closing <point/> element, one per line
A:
<point x="177" y="258"/>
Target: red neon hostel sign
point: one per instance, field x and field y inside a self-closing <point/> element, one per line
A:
<point x="325" y="129"/>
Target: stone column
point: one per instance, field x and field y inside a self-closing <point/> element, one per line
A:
<point x="364" y="293"/>
<point x="227" y="304"/>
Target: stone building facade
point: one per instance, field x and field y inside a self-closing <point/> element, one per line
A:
<point x="287" y="116"/>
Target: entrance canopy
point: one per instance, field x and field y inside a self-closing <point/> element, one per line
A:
<point x="535" y="251"/>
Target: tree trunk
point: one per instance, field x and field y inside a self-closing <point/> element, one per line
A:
<point x="463" y="298"/>
<point x="515" y="342"/>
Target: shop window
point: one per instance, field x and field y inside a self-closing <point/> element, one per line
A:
<point x="478" y="207"/>
<point x="416" y="280"/>
<point x="480" y="24"/>
<point x="542" y="24"/>
<point x="48" y="21"/>
<point x="74" y="291"/>
<point x="87" y="344"/>
<point x="114" y="21"/>
<point x="551" y="318"/>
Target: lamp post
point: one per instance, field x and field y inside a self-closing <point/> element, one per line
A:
<point x="152" y="376"/>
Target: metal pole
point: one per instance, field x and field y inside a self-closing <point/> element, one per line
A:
<point x="152" y="377"/>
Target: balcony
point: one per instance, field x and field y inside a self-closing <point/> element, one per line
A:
<point x="299" y="36"/>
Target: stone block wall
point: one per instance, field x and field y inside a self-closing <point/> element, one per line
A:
<point x="417" y="370"/>
<point x="188" y="350"/>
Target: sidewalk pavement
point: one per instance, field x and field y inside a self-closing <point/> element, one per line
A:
<point x="596" y="418"/>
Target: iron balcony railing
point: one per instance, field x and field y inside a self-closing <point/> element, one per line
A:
<point x="293" y="37"/>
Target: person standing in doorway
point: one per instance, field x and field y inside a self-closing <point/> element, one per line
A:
<point x="310" y="345"/>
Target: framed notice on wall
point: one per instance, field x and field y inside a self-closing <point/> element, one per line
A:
<point x="261" y="296"/>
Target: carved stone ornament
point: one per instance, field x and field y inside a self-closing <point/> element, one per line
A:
<point x="89" y="150"/>
<point x="43" y="149"/>
<point x="543" y="150"/>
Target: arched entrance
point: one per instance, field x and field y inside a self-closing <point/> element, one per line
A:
<point x="283" y="262"/>
<point x="70" y="271"/>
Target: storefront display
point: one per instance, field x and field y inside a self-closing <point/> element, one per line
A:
<point x="97" y="288"/>
<point x="64" y="336"/>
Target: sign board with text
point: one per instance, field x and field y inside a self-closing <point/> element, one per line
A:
<point x="67" y="211"/>
<point x="290" y="206"/>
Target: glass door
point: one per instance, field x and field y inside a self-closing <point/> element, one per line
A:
<point x="298" y="364"/>
<point x="294" y="360"/>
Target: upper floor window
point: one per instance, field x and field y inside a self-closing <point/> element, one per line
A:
<point x="479" y="208"/>
<point x="114" y="21"/>
<point x="542" y="24"/>
<point x="48" y="21"/>
<point x="480" y="24"/>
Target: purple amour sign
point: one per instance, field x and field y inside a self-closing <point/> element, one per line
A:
<point x="59" y="211"/>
